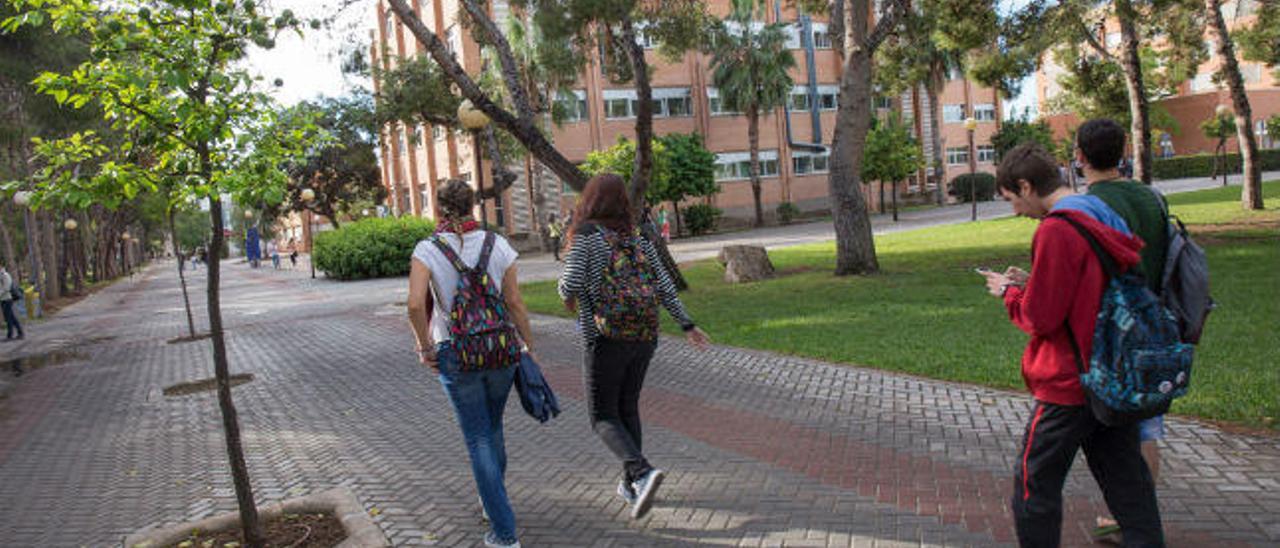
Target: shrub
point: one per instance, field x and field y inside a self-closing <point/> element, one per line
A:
<point x="701" y="218"/>
<point x="984" y="185"/>
<point x="787" y="212"/>
<point x="370" y="248"/>
<point x="1201" y="165"/>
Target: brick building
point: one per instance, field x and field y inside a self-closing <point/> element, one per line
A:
<point x="415" y="159"/>
<point x="1194" y="101"/>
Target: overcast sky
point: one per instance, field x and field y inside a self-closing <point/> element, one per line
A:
<point x="310" y="66"/>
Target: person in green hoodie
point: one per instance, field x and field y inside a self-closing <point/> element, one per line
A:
<point x="1099" y="150"/>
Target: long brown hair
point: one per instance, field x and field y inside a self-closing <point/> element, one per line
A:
<point x="603" y="202"/>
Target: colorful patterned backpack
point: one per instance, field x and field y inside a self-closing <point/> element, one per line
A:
<point x="482" y="335"/>
<point x="628" y="305"/>
<point x="1139" y="363"/>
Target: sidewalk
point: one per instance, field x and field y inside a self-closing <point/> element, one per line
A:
<point x="542" y="267"/>
<point x="763" y="449"/>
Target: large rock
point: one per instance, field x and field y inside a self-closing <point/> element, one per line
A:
<point x="745" y="263"/>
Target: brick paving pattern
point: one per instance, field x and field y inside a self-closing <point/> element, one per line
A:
<point x="763" y="449"/>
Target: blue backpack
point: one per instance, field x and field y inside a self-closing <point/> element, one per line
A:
<point x="1139" y="363"/>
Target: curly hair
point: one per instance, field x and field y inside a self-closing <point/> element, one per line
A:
<point x="456" y="199"/>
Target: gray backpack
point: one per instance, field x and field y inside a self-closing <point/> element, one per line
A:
<point x="1184" y="285"/>
<point x="1184" y="288"/>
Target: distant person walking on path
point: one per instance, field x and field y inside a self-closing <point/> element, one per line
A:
<point x="464" y="298"/>
<point x="614" y="279"/>
<point x="293" y="253"/>
<point x="10" y="293"/>
<point x="274" y="252"/>
<point x="1059" y="299"/>
<point x="555" y="231"/>
<point x="1099" y="146"/>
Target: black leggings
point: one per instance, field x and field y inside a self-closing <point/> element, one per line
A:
<point x="10" y="320"/>
<point x="614" y="373"/>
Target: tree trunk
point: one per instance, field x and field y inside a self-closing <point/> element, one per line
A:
<point x="1139" y="109"/>
<point x="249" y="523"/>
<point x="880" y="203"/>
<point x="34" y="260"/>
<point x="894" y="191"/>
<point x="1251" y="194"/>
<point x="182" y="277"/>
<point x="49" y="246"/>
<point x="753" y="142"/>
<point x="855" y="248"/>
<point x="6" y="239"/>
<point x="939" y="168"/>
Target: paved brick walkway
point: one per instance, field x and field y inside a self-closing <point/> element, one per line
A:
<point x="763" y="449"/>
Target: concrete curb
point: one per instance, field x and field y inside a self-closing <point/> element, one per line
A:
<point x="361" y="531"/>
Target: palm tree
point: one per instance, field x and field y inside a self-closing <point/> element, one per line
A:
<point x="751" y="73"/>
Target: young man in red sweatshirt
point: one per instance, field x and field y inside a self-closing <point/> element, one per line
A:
<point x="1060" y="298"/>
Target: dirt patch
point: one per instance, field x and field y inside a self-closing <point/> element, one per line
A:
<point x="188" y="338"/>
<point x="286" y="531"/>
<point x="204" y="385"/>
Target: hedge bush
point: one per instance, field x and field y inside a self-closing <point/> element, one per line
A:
<point x="985" y="186"/>
<point x="1201" y="165"/>
<point x="787" y="212"/>
<point x="370" y="248"/>
<point x="701" y="218"/>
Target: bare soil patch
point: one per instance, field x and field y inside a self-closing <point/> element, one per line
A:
<point x="286" y="531"/>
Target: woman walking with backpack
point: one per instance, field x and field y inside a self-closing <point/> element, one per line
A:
<point x="615" y="281"/>
<point x="471" y="326"/>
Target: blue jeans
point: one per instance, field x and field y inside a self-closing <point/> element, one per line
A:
<point x="479" y="398"/>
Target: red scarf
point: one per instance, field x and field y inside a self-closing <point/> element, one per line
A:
<point x="452" y="225"/>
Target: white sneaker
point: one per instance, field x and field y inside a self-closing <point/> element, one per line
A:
<point x="625" y="492"/>
<point x="491" y="541"/>
<point x="484" y="514"/>
<point x="645" y="488"/>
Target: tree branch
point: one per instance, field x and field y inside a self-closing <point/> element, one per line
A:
<point x="172" y="129"/>
<point x="1095" y="44"/>
<point x="510" y="71"/>
<point x="887" y="25"/>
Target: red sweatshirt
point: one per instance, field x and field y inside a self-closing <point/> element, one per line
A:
<point x="1066" y="285"/>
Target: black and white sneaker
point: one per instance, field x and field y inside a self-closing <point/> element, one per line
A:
<point x="492" y="541"/>
<point x="645" y="489"/>
<point x="625" y="492"/>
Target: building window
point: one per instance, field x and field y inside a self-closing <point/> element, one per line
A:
<point x="952" y="114"/>
<point x="808" y="163"/>
<point x="821" y="40"/>
<point x="828" y="98"/>
<point x="1113" y="39"/>
<point x="672" y="103"/>
<point x="736" y="166"/>
<point x="716" y="105"/>
<point x="986" y="153"/>
<point x="984" y="112"/>
<point x="573" y="106"/>
<point x="619" y="103"/>
<point x="957" y="156"/>
<point x="390" y="31"/>
<point x="882" y="102"/>
<point x="499" y="211"/>
<point x="1202" y="82"/>
<point x="645" y="40"/>
<point x="437" y="133"/>
<point x="450" y="36"/>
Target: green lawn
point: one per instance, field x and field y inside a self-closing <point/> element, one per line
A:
<point x="928" y="314"/>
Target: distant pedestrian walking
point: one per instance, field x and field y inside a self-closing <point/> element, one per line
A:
<point x="466" y="274"/>
<point x="1057" y="304"/>
<point x="274" y="251"/>
<point x="293" y="253"/>
<point x="10" y="294"/>
<point x="614" y="279"/>
<point x="555" y="231"/>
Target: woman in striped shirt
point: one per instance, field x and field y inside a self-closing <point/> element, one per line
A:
<point x="614" y="369"/>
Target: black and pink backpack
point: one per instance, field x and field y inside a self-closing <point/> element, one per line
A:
<point x="482" y="335"/>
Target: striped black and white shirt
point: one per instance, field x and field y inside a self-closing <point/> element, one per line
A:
<point x="584" y="267"/>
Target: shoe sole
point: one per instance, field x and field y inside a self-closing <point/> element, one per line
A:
<point x="644" y="500"/>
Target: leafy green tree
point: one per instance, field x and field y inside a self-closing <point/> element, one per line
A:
<point x="1261" y="41"/>
<point x="1015" y="132"/>
<point x="752" y="73"/>
<point x="341" y="170"/>
<point x="171" y="73"/>
<point x="1219" y="127"/>
<point x="891" y="155"/>
<point x="682" y="168"/>
<point x="1273" y="127"/>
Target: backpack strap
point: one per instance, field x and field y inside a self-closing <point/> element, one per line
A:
<point x="486" y="250"/>
<point x="449" y="254"/>
<point x="1108" y="263"/>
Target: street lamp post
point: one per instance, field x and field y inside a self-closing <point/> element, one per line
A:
<point x="309" y="196"/>
<point x="22" y="199"/>
<point x="971" y="124"/>
<point x="475" y="121"/>
<point x="69" y="258"/>
<point x="124" y="253"/>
